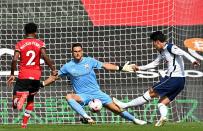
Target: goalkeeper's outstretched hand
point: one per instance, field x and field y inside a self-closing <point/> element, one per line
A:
<point x="128" y="67"/>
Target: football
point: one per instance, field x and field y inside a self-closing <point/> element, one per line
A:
<point x="95" y="105"/>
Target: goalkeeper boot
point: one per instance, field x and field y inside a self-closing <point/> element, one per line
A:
<point x="87" y="121"/>
<point x="22" y="97"/>
<point x="161" y="121"/>
<point x="119" y="103"/>
<point x="139" y="122"/>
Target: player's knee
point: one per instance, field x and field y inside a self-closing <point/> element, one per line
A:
<point x="152" y="93"/>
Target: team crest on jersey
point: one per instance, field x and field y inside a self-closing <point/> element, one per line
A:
<point x="86" y="66"/>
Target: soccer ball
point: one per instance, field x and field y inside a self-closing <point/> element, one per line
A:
<point x="95" y="105"/>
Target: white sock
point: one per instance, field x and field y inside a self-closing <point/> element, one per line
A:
<point x="86" y="116"/>
<point x="27" y="113"/>
<point x="140" y="100"/>
<point x="163" y="110"/>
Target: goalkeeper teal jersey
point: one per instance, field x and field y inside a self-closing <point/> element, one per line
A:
<point x="82" y="75"/>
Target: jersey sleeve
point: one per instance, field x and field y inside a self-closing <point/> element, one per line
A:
<point x="63" y="71"/>
<point x="177" y="51"/>
<point x="43" y="45"/>
<point x="151" y="65"/>
<point x="96" y="64"/>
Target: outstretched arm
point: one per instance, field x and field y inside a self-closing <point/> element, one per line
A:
<point x="151" y="65"/>
<point x="127" y="67"/>
<point x="49" y="81"/>
<point x="52" y="78"/>
<point x="178" y="51"/>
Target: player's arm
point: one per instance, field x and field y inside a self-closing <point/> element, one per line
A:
<point x="151" y="65"/>
<point x="13" y="67"/>
<point x="49" y="80"/>
<point x="62" y="72"/>
<point x="48" y="61"/>
<point x="177" y="51"/>
<point x="127" y="67"/>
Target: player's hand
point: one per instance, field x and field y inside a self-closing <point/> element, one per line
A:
<point x="48" y="81"/>
<point x="196" y="63"/>
<point x="10" y="80"/>
<point x="54" y="73"/>
<point x="128" y="67"/>
<point x="135" y="68"/>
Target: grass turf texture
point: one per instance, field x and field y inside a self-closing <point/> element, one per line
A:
<point x="198" y="126"/>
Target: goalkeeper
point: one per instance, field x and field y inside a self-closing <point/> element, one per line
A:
<point x="80" y="71"/>
<point x="169" y="86"/>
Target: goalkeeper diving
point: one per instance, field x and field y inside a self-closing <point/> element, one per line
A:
<point x="80" y="71"/>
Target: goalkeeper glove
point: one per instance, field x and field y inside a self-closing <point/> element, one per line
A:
<point x="126" y="67"/>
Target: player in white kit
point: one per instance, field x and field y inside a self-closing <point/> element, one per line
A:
<point x="169" y="86"/>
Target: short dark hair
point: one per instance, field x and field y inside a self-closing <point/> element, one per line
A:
<point x="30" y="28"/>
<point x="158" y="35"/>
<point x="76" y="45"/>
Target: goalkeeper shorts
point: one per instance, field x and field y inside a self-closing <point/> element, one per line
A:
<point x="86" y="98"/>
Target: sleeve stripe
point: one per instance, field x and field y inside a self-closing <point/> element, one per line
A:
<point x="169" y="47"/>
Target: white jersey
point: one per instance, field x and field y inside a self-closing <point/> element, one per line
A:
<point x="173" y="56"/>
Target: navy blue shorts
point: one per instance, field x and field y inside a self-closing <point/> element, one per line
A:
<point x="169" y="86"/>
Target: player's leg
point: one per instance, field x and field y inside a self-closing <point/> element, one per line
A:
<point x="109" y="104"/>
<point x="32" y="87"/>
<point x="163" y="109"/>
<point x="22" y="98"/>
<point x="148" y="95"/>
<point x="151" y="93"/>
<point x="28" y="110"/>
<point x="75" y="101"/>
<point x="126" y="115"/>
<point x="167" y="92"/>
<point x="15" y="97"/>
<point x="20" y="94"/>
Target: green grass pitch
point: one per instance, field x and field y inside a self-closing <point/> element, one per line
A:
<point x="188" y="126"/>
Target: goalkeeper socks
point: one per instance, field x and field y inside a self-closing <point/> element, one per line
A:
<point x="140" y="100"/>
<point x="127" y="116"/>
<point x="78" y="108"/>
<point x="163" y="110"/>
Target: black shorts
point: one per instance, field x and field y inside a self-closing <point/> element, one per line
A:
<point x="26" y="85"/>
